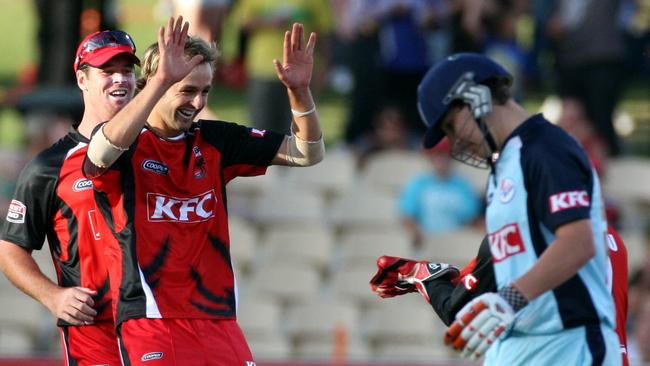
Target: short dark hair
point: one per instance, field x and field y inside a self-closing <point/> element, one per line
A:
<point x="499" y="89"/>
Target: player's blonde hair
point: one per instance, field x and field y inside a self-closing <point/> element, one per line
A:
<point x="194" y="46"/>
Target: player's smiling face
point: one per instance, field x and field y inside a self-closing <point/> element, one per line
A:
<point x="178" y="108"/>
<point x="107" y="89"/>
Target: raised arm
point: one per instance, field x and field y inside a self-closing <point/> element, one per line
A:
<point x="122" y="130"/>
<point x="305" y="145"/>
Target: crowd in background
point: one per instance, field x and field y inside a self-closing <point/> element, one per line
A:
<point x="375" y="52"/>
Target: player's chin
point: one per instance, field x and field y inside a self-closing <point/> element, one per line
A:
<point x="183" y="124"/>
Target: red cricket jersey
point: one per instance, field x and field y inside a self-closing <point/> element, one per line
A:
<point x="53" y="199"/>
<point x="165" y="202"/>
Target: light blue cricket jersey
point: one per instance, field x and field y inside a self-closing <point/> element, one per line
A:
<point x="543" y="180"/>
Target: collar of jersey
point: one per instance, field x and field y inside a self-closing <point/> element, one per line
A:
<point x="529" y="124"/>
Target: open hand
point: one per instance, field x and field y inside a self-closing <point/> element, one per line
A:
<point x="173" y="65"/>
<point x="296" y="67"/>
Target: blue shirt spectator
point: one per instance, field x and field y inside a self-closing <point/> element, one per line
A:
<point x="439" y="200"/>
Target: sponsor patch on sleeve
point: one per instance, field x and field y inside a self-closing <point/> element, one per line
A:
<point x="17" y="212"/>
<point x="566" y="200"/>
<point x="257" y="133"/>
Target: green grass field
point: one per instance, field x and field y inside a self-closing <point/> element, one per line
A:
<point x="139" y="18"/>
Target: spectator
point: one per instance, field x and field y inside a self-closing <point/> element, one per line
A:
<point x="206" y="17"/>
<point x="404" y="53"/>
<point x="438" y="200"/>
<point x="593" y="74"/>
<point x="389" y="132"/>
<point x="265" y="23"/>
<point x="357" y="32"/>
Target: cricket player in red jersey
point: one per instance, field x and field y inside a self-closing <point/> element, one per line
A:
<point x="448" y="289"/>
<point x="160" y="181"/>
<point x="53" y="199"/>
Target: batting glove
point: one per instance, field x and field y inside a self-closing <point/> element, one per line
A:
<point x="397" y="276"/>
<point x="483" y="320"/>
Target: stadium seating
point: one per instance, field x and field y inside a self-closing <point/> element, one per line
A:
<point x="363" y="205"/>
<point x="289" y="206"/>
<point x="456" y="247"/>
<point x="363" y="246"/>
<point x="351" y="283"/>
<point x="310" y="245"/>
<point x="405" y="327"/>
<point x="326" y="329"/>
<point x="304" y="244"/>
<point x="390" y="170"/>
<point x="330" y="177"/>
<point x="243" y="238"/>
<point x="285" y="284"/>
<point x="626" y="179"/>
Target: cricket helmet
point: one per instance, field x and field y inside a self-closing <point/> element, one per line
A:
<point x="457" y="77"/>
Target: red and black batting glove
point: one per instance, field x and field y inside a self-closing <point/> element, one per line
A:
<point x="398" y="276"/>
<point x="483" y="320"/>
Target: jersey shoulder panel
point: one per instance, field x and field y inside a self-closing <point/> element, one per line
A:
<point x="34" y="201"/>
<point x="558" y="175"/>
<point x="239" y="144"/>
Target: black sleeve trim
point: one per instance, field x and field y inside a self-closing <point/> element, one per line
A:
<point x="447" y="299"/>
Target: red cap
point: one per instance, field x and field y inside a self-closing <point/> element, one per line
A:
<point x="99" y="47"/>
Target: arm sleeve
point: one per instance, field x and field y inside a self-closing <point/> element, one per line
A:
<point x="447" y="298"/>
<point x="562" y="191"/>
<point x="245" y="151"/>
<point x="32" y="205"/>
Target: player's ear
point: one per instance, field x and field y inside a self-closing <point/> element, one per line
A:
<point x="82" y="79"/>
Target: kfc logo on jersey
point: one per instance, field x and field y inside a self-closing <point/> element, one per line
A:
<point x="155" y="166"/>
<point x="162" y="208"/>
<point x="17" y="212"/>
<point x="566" y="200"/>
<point x="257" y="133"/>
<point x="506" y="242"/>
<point x="81" y="184"/>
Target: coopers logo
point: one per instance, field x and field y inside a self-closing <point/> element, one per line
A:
<point x="566" y="200"/>
<point x="81" y="184"/>
<point x="162" y="208"/>
<point x="151" y="356"/>
<point x="506" y="242"/>
<point x="155" y="166"/>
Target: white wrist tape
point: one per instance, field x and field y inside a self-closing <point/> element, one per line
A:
<point x="302" y="114"/>
<point x="101" y="152"/>
<point x="304" y="153"/>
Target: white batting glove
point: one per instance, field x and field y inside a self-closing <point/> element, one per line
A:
<point x="482" y="321"/>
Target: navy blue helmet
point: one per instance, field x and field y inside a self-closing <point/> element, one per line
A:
<point x="457" y="77"/>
